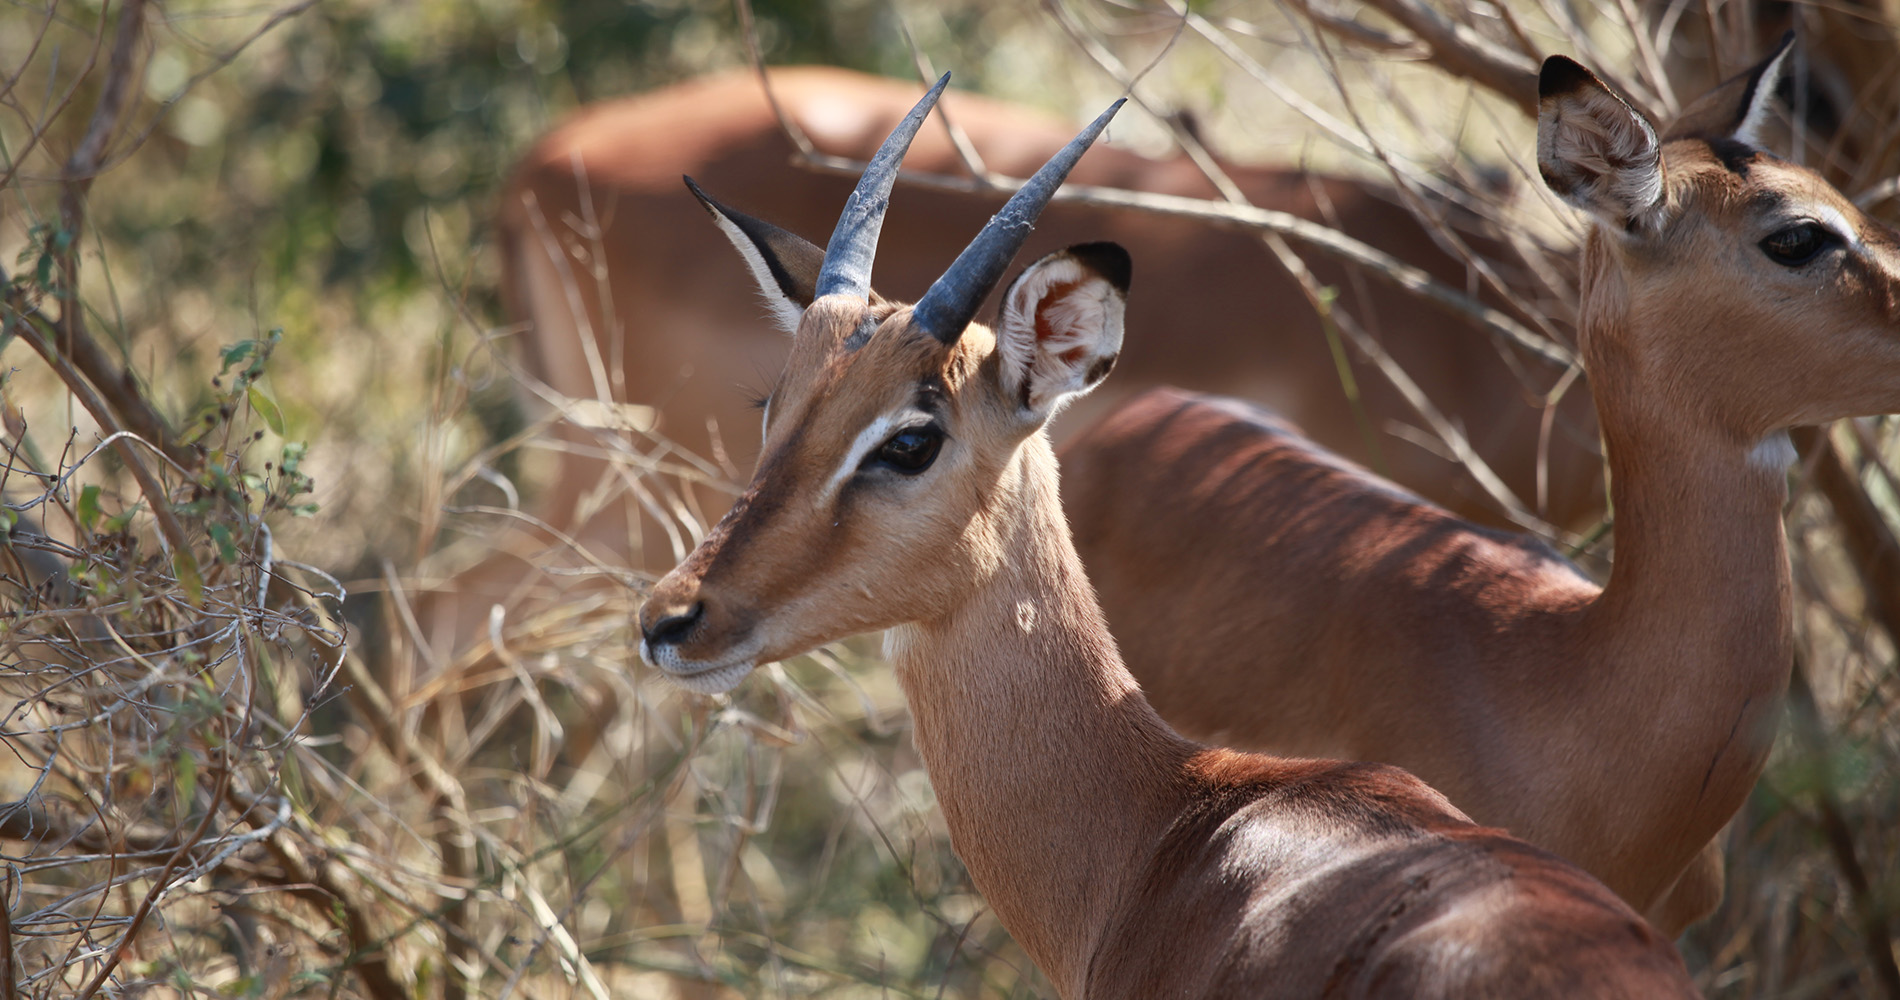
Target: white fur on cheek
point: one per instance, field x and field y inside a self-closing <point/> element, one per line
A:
<point x="785" y="312"/>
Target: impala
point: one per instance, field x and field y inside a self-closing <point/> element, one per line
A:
<point x="1727" y="296"/>
<point x="605" y="265"/>
<point x="906" y="483"/>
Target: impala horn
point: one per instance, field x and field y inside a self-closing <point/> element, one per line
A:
<point x="950" y="303"/>
<point x="847" y="267"/>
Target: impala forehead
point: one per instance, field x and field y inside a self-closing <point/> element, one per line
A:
<point x="1762" y="192"/>
<point x="834" y="406"/>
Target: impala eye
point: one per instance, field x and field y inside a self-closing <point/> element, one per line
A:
<point x="910" y="451"/>
<point x="1797" y="244"/>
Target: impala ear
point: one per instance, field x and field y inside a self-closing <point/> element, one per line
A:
<point x="1595" y="150"/>
<point x="1738" y="108"/>
<point x="1061" y="326"/>
<point x="784" y="265"/>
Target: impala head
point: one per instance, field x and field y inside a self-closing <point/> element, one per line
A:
<point x="1739" y="283"/>
<point x="895" y="438"/>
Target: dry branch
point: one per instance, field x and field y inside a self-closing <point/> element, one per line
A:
<point x="1464" y="53"/>
<point x="119" y="388"/>
<point x="1323" y="238"/>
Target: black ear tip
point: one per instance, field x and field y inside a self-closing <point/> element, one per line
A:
<point x="1562" y="75"/>
<point x="1108" y="260"/>
<point x="704" y="198"/>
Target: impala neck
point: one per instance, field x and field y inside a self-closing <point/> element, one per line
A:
<point x="1698" y="610"/>
<point x="1054" y="774"/>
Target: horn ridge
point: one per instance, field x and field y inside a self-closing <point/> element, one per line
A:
<point x="853" y="245"/>
<point x="953" y="299"/>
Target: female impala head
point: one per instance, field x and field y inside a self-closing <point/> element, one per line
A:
<point x="895" y="437"/>
<point x="1739" y="284"/>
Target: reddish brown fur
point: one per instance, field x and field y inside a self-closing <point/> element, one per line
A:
<point x="1271" y="595"/>
<point x="1234" y="322"/>
<point x="1127" y="861"/>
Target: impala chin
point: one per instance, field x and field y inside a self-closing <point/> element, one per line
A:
<point x="702" y="676"/>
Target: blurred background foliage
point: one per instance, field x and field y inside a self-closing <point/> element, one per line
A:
<point x="336" y="179"/>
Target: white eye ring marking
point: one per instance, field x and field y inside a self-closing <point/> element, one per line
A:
<point x="1836" y="222"/>
<point x="868" y="438"/>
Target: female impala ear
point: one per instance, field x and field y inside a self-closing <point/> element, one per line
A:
<point x="1594" y="150"/>
<point x="1061" y="326"/>
<point x="1739" y="108"/>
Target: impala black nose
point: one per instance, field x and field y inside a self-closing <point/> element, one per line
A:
<point x="673" y="628"/>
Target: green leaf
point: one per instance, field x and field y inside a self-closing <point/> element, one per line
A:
<point x="293" y="456"/>
<point x="89" y="507"/>
<point x="293" y="782"/>
<point x="243" y="986"/>
<point x="237" y="352"/>
<point x="186" y="568"/>
<point x="267" y="409"/>
<point x="227" y="550"/>
<point x="185" y="777"/>
<point x="117" y="523"/>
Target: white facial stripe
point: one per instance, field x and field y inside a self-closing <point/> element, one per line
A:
<point x="765" y="419"/>
<point x="868" y="438"/>
<point x="784" y="311"/>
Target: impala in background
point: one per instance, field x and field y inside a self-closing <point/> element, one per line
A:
<point x="1727" y="296"/>
<point x="626" y="297"/>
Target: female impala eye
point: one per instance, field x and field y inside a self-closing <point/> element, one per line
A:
<point x="1797" y="244"/>
<point x="910" y="451"/>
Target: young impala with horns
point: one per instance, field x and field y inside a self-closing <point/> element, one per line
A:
<point x="905" y="483"/>
<point x="1727" y="295"/>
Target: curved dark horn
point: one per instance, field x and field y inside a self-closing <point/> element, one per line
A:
<point x="847" y="267"/>
<point x="946" y="309"/>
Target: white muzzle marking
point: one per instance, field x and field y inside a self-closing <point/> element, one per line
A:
<point x="716" y="677"/>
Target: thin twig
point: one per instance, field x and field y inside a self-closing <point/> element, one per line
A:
<point x="1453" y="438"/>
<point x="1320" y="237"/>
<point x="116" y="383"/>
<point x="170" y="531"/>
<point x="927" y="74"/>
<point x="1464" y="53"/>
<point x="800" y="141"/>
